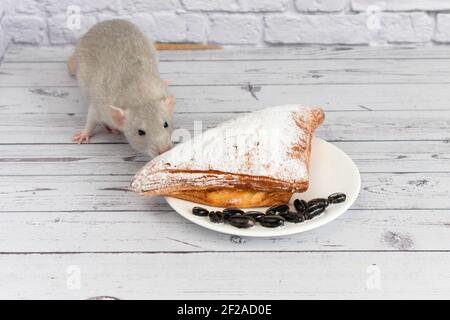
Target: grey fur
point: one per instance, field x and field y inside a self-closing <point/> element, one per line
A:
<point x="116" y="65"/>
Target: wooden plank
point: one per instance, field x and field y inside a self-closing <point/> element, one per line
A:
<point x="60" y="54"/>
<point x="100" y="159"/>
<point x="241" y="275"/>
<point x="248" y="98"/>
<point x="280" y="72"/>
<point x="100" y="193"/>
<point x="338" y="126"/>
<point x="165" y="231"/>
<point x="70" y="159"/>
<point x="74" y="203"/>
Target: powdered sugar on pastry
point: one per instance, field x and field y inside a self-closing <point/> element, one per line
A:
<point x="264" y="150"/>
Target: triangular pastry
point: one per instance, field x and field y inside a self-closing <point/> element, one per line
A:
<point x="258" y="159"/>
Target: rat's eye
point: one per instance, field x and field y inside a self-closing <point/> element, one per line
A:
<point x="141" y="132"/>
<point x="166" y="124"/>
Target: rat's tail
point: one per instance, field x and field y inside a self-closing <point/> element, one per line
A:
<point x="186" y="46"/>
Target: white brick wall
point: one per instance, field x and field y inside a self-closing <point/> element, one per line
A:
<point x="234" y="22"/>
<point x="407" y="27"/>
<point x="3" y="39"/>
<point x="403" y="5"/>
<point x="235" y="29"/>
<point x="326" y="29"/>
<point x="321" y="5"/>
<point x="443" y="28"/>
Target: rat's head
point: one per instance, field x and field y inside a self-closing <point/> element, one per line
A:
<point x="148" y="129"/>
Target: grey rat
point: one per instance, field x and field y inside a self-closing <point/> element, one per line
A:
<point x="116" y="67"/>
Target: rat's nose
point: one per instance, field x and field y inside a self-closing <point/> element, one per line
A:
<point x="164" y="149"/>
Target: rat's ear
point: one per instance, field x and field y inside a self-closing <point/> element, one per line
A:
<point x="170" y="103"/>
<point x="118" y="116"/>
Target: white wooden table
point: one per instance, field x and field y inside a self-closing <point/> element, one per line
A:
<point x="70" y="229"/>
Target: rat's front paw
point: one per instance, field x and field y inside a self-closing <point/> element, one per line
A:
<point x="81" y="137"/>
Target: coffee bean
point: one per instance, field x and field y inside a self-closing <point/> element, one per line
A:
<point x="233" y="209"/>
<point x="337" y="197"/>
<point x="293" y="217"/>
<point x="300" y="205"/>
<point x="322" y="201"/>
<point x="241" y="221"/>
<point x="277" y="209"/>
<point x="314" y="210"/>
<point x="231" y="212"/>
<point x="256" y="215"/>
<point x="275" y="216"/>
<point x="199" y="211"/>
<point x="216" y="217"/>
<point x="271" y="221"/>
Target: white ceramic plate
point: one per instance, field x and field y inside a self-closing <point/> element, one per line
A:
<point x="331" y="171"/>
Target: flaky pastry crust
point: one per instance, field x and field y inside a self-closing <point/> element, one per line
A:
<point x="253" y="179"/>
